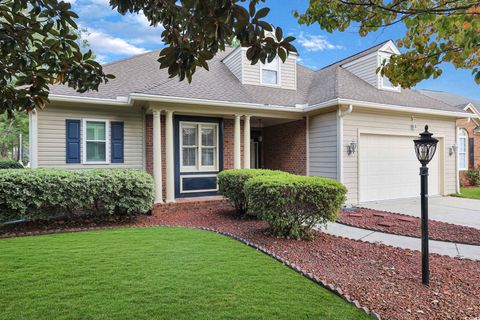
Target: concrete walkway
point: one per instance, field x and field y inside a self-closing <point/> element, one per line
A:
<point x="465" y="212"/>
<point x="445" y="248"/>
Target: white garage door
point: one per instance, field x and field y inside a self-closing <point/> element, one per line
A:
<point x="389" y="168"/>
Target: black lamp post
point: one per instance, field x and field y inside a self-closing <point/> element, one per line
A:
<point x="425" y="148"/>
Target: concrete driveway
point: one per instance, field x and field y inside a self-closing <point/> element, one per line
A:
<point x="460" y="211"/>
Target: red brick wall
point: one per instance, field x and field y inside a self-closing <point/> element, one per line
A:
<point x="284" y="147"/>
<point x="228" y="143"/>
<point x="469" y="127"/>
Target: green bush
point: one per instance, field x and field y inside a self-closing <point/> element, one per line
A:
<point x="42" y="194"/>
<point x="231" y="185"/>
<point x="473" y="176"/>
<point x="294" y="204"/>
<point x="10" y="164"/>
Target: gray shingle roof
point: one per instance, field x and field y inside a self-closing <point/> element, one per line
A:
<point x="141" y="74"/>
<point x="451" y="99"/>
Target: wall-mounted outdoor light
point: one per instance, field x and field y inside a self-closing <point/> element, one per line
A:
<point x="413" y="126"/>
<point x="351" y="147"/>
<point x="452" y="150"/>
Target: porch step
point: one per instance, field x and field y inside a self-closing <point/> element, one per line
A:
<point x="210" y="203"/>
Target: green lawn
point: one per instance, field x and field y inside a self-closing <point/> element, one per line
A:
<point x="472" y="193"/>
<point x="154" y="273"/>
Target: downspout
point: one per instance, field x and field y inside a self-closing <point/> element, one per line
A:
<point x="307" y="147"/>
<point x="33" y="138"/>
<point x="341" y="115"/>
<point x="457" y="187"/>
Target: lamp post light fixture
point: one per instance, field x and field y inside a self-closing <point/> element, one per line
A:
<point x="425" y="147"/>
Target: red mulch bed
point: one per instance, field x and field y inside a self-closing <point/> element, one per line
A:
<point x="385" y="279"/>
<point x="408" y="226"/>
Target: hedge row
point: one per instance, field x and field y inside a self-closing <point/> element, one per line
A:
<point x="47" y="193"/>
<point x="10" y="164"/>
<point x="291" y="204"/>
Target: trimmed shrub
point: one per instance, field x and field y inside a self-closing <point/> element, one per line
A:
<point x="43" y="194"/>
<point x="231" y="185"/>
<point x="294" y="204"/>
<point x="473" y="176"/>
<point x="10" y="164"/>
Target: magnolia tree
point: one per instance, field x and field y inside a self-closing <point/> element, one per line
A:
<point x="39" y="39"/>
<point x="437" y="31"/>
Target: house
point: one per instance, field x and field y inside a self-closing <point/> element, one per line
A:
<point x="469" y="131"/>
<point x="343" y="122"/>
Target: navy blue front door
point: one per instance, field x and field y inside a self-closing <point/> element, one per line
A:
<point x="198" y="155"/>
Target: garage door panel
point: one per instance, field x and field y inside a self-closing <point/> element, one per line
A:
<point x="389" y="168"/>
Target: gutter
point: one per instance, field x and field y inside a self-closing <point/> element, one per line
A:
<point x="207" y="102"/>
<point x="120" y="101"/>
<point x="124" y="101"/>
<point x="380" y="106"/>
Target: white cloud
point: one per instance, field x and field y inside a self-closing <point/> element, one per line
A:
<point x="316" y="43"/>
<point x="112" y="35"/>
<point x="103" y="44"/>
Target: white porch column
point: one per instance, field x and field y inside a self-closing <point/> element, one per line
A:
<point x="237" y="161"/>
<point x="169" y="157"/>
<point x="246" y="142"/>
<point x="157" y="156"/>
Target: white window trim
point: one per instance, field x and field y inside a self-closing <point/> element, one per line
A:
<point x="381" y="58"/>
<point x="279" y="78"/>
<point x="198" y="167"/>
<point x="465" y="138"/>
<point x="84" y="141"/>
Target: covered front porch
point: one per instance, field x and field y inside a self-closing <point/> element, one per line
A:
<point x="186" y="148"/>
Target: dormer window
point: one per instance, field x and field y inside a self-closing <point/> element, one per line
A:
<point x="384" y="81"/>
<point x="270" y="72"/>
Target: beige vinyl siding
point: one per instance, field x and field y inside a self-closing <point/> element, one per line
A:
<point x="365" y="122"/>
<point x="251" y="73"/>
<point x="323" y="145"/>
<point x="234" y="63"/>
<point x="365" y="68"/>
<point x="52" y="140"/>
<point x="288" y="72"/>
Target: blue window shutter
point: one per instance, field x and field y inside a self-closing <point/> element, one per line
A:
<point x="117" y="142"/>
<point x="73" y="141"/>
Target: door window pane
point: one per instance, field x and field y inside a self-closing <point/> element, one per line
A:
<point x="96" y="151"/>
<point x="189" y="136"/>
<point x="208" y="136"/>
<point x="208" y="156"/>
<point x="189" y="157"/>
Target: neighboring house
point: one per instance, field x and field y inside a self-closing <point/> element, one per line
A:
<point x="342" y="122"/>
<point x="468" y="145"/>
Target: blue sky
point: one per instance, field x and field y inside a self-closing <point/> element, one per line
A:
<point x="112" y="37"/>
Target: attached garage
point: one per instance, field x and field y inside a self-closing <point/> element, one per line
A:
<point x="384" y="165"/>
<point x="389" y="169"/>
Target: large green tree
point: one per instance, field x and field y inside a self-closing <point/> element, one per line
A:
<point x="437" y="31"/>
<point x="38" y="47"/>
<point x="39" y="43"/>
<point x="39" y="38"/>
<point x="10" y="130"/>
